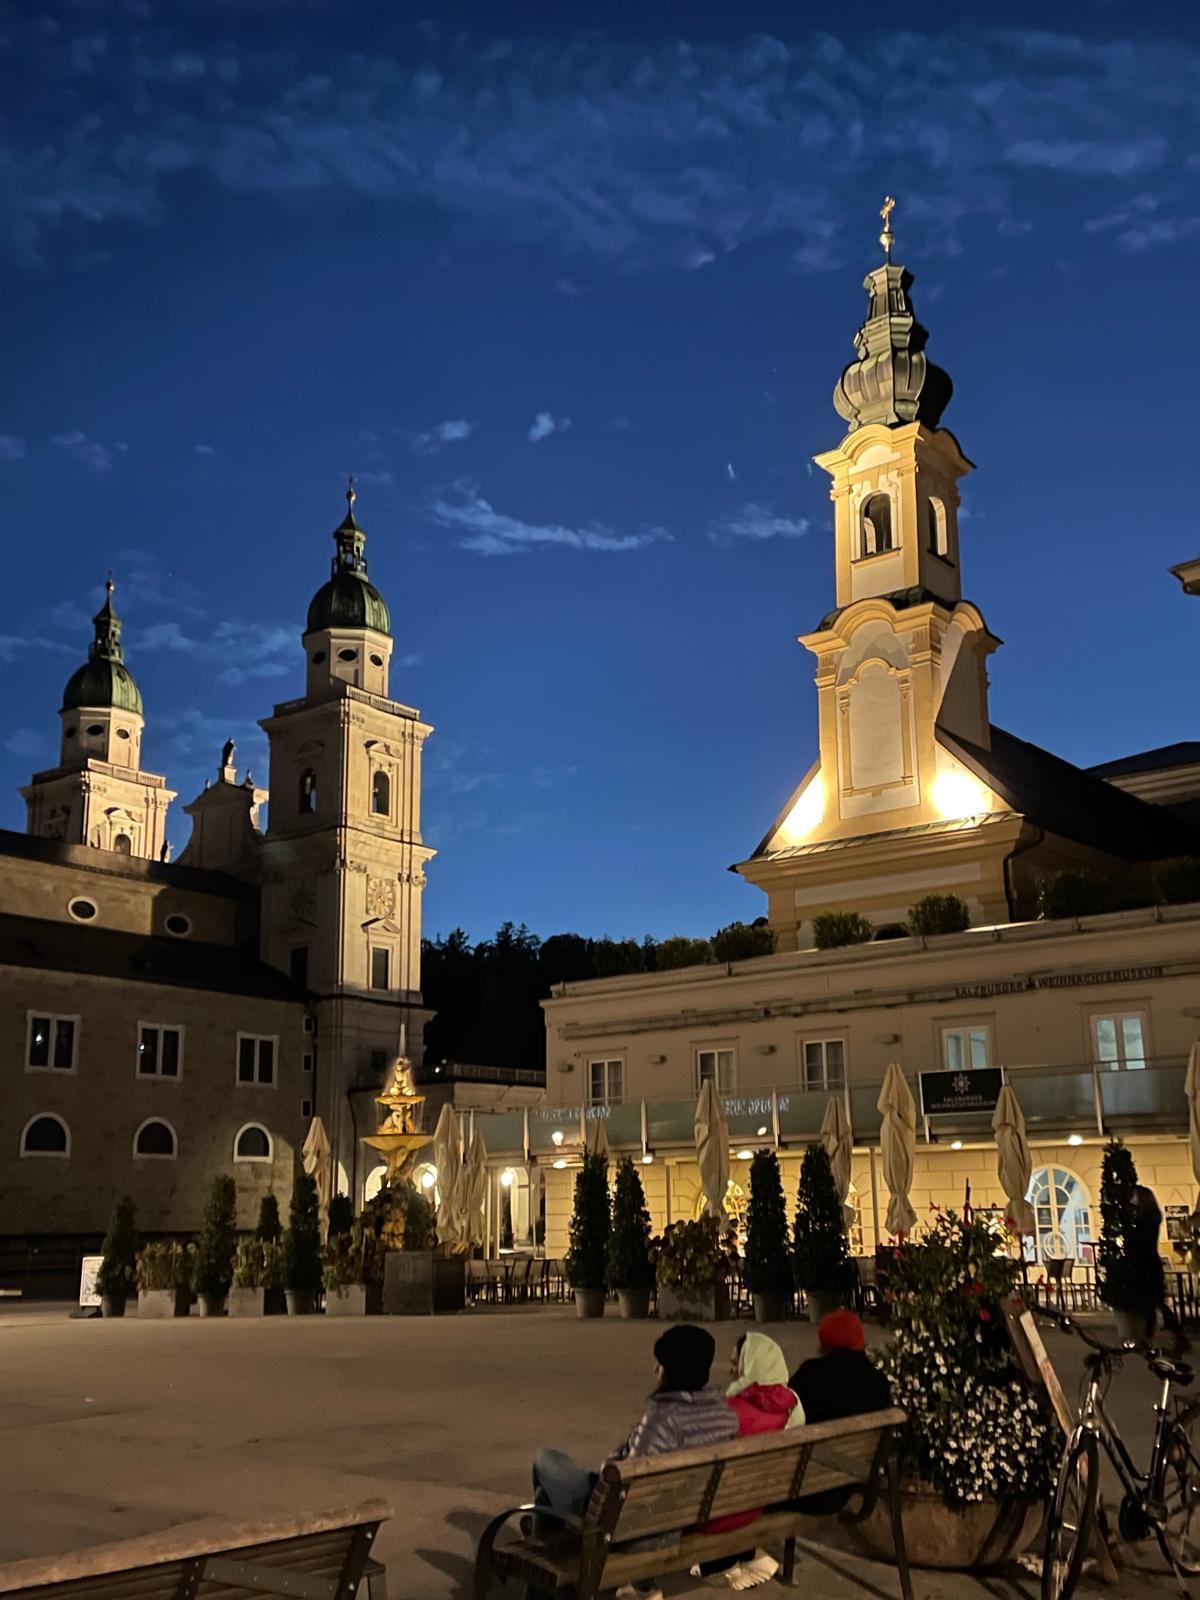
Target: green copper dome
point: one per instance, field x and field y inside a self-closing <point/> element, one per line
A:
<point x="348" y="600"/>
<point x="104" y="679"/>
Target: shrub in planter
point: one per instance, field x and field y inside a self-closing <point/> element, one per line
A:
<point x="215" y="1247"/>
<point x="832" y="929"/>
<point x="420" y="1220"/>
<point x="590" y="1224"/>
<point x="164" y="1278"/>
<point x="302" y="1247"/>
<point x="939" y="913"/>
<point x="269" y="1226"/>
<point x="691" y="1265"/>
<point x="341" y="1215"/>
<point x="628" y="1255"/>
<point x="823" y="1268"/>
<point x="349" y="1290"/>
<point x="768" y="1267"/>
<point x="116" y="1275"/>
<point x="1072" y="893"/>
<point x="1123" y="1282"/>
<point x="1178" y="881"/>
<point x="257" y="1288"/>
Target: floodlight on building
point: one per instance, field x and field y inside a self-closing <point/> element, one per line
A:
<point x="556" y="1138"/>
<point x="956" y="795"/>
<point x="648" y="1159"/>
<point x="1075" y="1139"/>
<point x="761" y="1134"/>
<point x="745" y="1155"/>
<point x="428" y="1178"/>
<point x="956" y="1144"/>
<point x="506" y="1178"/>
<point x="805" y="814"/>
<point x="559" y="1164"/>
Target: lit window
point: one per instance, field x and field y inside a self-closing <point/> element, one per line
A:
<point x="605" y="1082"/>
<point x="1120" y="1041"/>
<point x="46" y="1135"/>
<point x="824" y="1063"/>
<point x="155" y="1141"/>
<point x="715" y="1066"/>
<point x="967" y="1045"/>
<point x="160" y="1051"/>
<point x="1063" y="1214"/>
<point x="256" y="1059"/>
<point x="51" y="1043"/>
<point x="381" y="968"/>
<point x="877" y="525"/>
<point x="253" y="1143"/>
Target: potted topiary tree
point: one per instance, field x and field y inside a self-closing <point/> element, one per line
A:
<point x="213" y="1271"/>
<point x="768" y="1267"/>
<point x="270" y="1232"/>
<point x="341" y="1215"/>
<point x="116" y="1275"/>
<point x="164" y="1279"/>
<point x="591" y="1221"/>
<point x="823" y="1269"/>
<point x="628" y="1255"/>
<point x="692" y="1266"/>
<point x="302" y="1248"/>
<point x="1120" y="1278"/>
<point x="247" y="1296"/>
<point x="350" y="1286"/>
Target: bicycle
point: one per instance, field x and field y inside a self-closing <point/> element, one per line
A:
<point x="1163" y="1501"/>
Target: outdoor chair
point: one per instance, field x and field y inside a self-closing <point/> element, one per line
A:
<point x="1059" y="1272"/>
<point x="518" y="1283"/>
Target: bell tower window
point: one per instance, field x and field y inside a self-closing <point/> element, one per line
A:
<point x="308" y="792"/>
<point x="381" y="795"/>
<point x="877" y="525"/>
<point x="123" y="844"/>
<point x="935" y="518"/>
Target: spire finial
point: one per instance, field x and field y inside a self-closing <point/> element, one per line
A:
<point x="887" y="238"/>
<point x="351" y="491"/>
<point x="109" y="585"/>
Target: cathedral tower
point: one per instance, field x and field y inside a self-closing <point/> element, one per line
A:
<point x="98" y="794"/>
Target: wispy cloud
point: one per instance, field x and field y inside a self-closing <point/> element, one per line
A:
<point x="544" y="424"/>
<point x="488" y="532"/>
<point x="203" y="450"/>
<point x="28" y="745"/>
<point x="13" y="645"/>
<point x="568" y="286"/>
<point x="756" y="524"/>
<point x="1112" y="158"/>
<point x="435" y="439"/>
<point x="11" y="448"/>
<point x="238" y="650"/>
<point x="90" y="452"/>
<point x="383" y="477"/>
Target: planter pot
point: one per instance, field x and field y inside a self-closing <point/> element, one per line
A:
<point x="246" y="1303"/>
<point x="420" y="1283"/>
<point x="707" y="1304"/>
<point x="1130" y="1325"/>
<point x="589" y="1302"/>
<point x="820" y="1302"/>
<point x="983" y="1535"/>
<point x="112" y="1305"/>
<point x="212" y="1305"/>
<point x="274" y="1302"/>
<point x="156" y="1303"/>
<point x="301" y="1302"/>
<point x="634" y="1303"/>
<point x="355" y="1300"/>
<point x="770" y="1307"/>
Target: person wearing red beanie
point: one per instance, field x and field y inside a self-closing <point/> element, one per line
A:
<point x="842" y="1381"/>
<point x="841" y="1330"/>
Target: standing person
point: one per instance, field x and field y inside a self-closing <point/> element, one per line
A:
<point x="1143" y="1247"/>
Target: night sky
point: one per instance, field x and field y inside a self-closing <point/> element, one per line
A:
<point x="568" y="287"/>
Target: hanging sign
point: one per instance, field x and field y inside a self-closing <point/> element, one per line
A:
<point x="948" y="1094"/>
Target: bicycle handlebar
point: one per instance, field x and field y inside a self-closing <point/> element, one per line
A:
<point x="1068" y="1325"/>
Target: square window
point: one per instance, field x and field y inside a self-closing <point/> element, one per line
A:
<point x="605" y="1082"/>
<point x="1120" y="1041"/>
<point x="824" y="1064"/>
<point x="966" y="1046"/>
<point x="715" y="1066"/>
<point x="50" y="1044"/>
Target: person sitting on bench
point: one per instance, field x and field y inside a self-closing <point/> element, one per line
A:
<point x="842" y="1381"/>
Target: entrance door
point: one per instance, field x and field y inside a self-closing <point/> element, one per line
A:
<point x="1064" y="1214"/>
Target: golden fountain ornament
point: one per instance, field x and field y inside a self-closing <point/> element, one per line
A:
<point x="398" y="1135"/>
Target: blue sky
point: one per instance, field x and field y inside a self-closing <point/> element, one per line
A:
<point x="569" y="289"/>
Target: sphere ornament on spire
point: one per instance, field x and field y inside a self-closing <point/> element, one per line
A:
<point x="348" y="600"/>
<point x="104" y="680"/>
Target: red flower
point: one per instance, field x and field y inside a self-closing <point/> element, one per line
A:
<point x="984" y="1314"/>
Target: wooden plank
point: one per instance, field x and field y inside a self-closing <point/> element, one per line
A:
<point x="758" y="1444"/>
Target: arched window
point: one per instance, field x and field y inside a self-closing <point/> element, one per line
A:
<point x="123" y="844"/>
<point x="381" y="794"/>
<point x="877" y="525"/>
<point x="46" y="1135"/>
<point x="155" y="1141"/>
<point x="308" y="790"/>
<point x="1063" y="1213"/>
<point x="253" y="1143"/>
<point x="935" y="517"/>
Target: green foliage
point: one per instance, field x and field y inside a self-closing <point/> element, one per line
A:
<point x="218" y="1240"/>
<point x="1072" y="893"/>
<point x="343" y="1257"/>
<point x="341" y="1214"/>
<point x="613" y="958"/>
<point x="682" y="952"/>
<point x="1120" y="1276"/>
<point x="420" y="1220"/>
<point x="165" y="1264"/>
<point x="302" y="1241"/>
<point x="975" y="1429"/>
<point x="691" y="1256"/>
<point x="629" y="1256"/>
<point x="821" y="1253"/>
<point x="248" y="1263"/>
<point x="1178" y="880"/>
<point x="832" y="929"/>
<point x="742" y="941"/>
<point x="768" y="1267"/>
<point x="590" y="1225"/>
<point x="939" y="913"/>
<point x="269" y="1225"/>
<point x="116" y="1274"/>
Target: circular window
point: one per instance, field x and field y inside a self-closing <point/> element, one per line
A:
<point x="122" y="733"/>
<point x="178" y="925"/>
<point x="70" y="733"/>
<point x="318" y="657"/>
<point x="376" y="661"/>
<point x="95" y="729"/>
<point x="82" y="910"/>
<point x="347" y="655"/>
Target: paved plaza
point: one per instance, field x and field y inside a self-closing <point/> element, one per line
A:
<point x="116" y="1428"/>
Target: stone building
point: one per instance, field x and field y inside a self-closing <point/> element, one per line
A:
<point x="164" y="1022"/>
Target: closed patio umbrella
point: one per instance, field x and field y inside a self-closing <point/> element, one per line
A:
<point x="1192" y="1090"/>
<point x="1014" y="1163"/>
<point x="712" y="1148"/>
<point x="475" y="1184"/>
<point x="597" y="1139"/>
<point x="839" y="1147"/>
<point x="447" y="1159"/>
<point x="317" y="1158"/>
<point x="898" y="1146"/>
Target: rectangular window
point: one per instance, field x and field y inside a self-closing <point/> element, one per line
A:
<point x="50" y="1043"/>
<point x="159" y="1051"/>
<point x="967" y="1045"/>
<point x="307" y="1061"/>
<point x="298" y="965"/>
<point x="1120" y="1041"/>
<point x="606" y="1082"/>
<point x="306" y="1109"/>
<point x="308" y="1025"/>
<point x="381" y="968"/>
<point x="823" y="1064"/>
<point x="715" y="1066"/>
<point x="256" y="1059"/>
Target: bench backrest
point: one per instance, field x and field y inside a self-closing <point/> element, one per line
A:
<point x="671" y="1492"/>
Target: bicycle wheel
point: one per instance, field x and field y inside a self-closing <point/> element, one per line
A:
<point x="1180" y="1534"/>
<point x="1072" y="1517"/>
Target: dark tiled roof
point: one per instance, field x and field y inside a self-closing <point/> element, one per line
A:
<point x="199" y="880"/>
<point x="132" y="957"/>
<point x="1184" y="754"/>
<point x="902" y="599"/>
<point x="1072" y="803"/>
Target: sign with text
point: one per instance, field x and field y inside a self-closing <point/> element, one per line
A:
<point x="948" y="1094"/>
<point x="89" y="1295"/>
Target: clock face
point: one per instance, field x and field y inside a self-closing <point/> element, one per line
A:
<point x="302" y="902"/>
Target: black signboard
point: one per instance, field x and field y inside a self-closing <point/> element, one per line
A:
<point x="948" y="1094"/>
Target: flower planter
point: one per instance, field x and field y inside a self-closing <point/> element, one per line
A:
<point x="157" y="1303"/>
<point x="770" y="1307"/>
<point x="212" y="1305"/>
<point x="634" y="1303"/>
<point x="420" y="1283"/>
<point x="588" y="1302"/>
<point x="355" y="1300"/>
<point x="301" y="1302"/>
<point x="112" y="1305"/>
<point x="709" y="1303"/>
<point x="978" y="1535"/>
<point x="246" y="1302"/>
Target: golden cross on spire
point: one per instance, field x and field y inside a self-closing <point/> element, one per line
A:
<point x="887" y="238"/>
<point x="351" y="492"/>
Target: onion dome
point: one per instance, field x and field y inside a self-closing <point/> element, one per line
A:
<point x="104" y="680"/>
<point x="348" y="600"/>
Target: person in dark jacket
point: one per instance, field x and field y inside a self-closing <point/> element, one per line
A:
<point x="842" y="1381"/>
<point x="1143" y="1248"/>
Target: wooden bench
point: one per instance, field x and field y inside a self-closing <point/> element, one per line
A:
<point x="324" y="1557"/>
<point x="671" y="1494"/>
